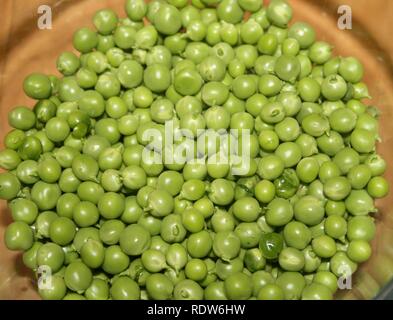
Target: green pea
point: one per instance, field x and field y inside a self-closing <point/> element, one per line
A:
<point x="56" y="291"/>
<point x="291" y="259"/>
<point x="98" y="290"/>
<point x="159" y="287"/>
<point x="226" y="245"/>
<point x="359" y="202"/>
<point x="62" y="230"/>
<point x="359" y="251"/>
<point x="309" y="210"/>
<point x="188" y="290"/>
<point x="238" y="286"/>
<point x="271" y="245"/>
<point x="92" y="253"/>
<point x="292" y="284"/>
<point x="115" y="260"/>
<point x="378" y="187"/>
<point x="18" y="236"/>
<point x="153" y="260"/>
<point x="279" y="212"/>
<point x="134" y="239"/>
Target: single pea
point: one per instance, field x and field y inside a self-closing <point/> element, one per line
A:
<point x="167" y="19"/>
<point x="249" y="234"/>
<point x="98" y="290"/>
<point x="9" y="186"/>
<point x="288" y="129"/>
<point x="153" y="260"/>
<point x="335" y="226"/>
<point x="160" y="203"/>
<point x="270" y="167"/>
<point x="22" y="118"/>
<point x="229" y="11"/>
<point x="111" y="205"/>
<point x="68" y="63"/>
<point x="292" y="284"/>
<point x="269" y="85"/>
<point x="85" y="214"/>
<point x="176" y="256"/>
<point x="271" y="245"/>
<point x="225" y="268"/>
<point x="287" y="68"/>
<point x="221" y="192"/>
<point x="346" y="159"/>
<point x="376" y="164"/>
<point x="279" y="212"/>
<point x="331" y="143"/>
<point x="30" y="256"/>
<point x="78" y="276"/>
<point x="359" y="251"/>
<point x="30" y="149"/>
<point x="134" y="177"/>
<point x="351" y="69"/>
<point x="215" y="291"/>
<point x="134" y="239"/>
<point x="92" y="103"/>
<point x="62" y="230"/>
<point x="317" y="291"/>
<point x="297" y="235"/>
<point x="110" y="231"/>
<point x="115" y="260"/>
<point x="307" y="144"/>
<point x="188" y="290"/>
<point x="279" y="13"/>
<point x="361" y="228"/>
<point x="222" y="221"/>
<point x="254" y="260"/>
<point x="159" y="287"/>
<point x="56" y="291"/>
<point x="309" y="210"/>
<point x="45" y="195"/>
<point x="85" y="40"/>
<point x="335" y="208"/>
<point x="307" y="169"/>
<point x="359" y="202"/>
<point x="226" y="245"/>
<point x="92" y="253"/>
<point x="37" y="86"/>
<point x="291" y="259"/>
<point x="193" y="220"/>
<point x="90" y="191"/>
<point x="289" y="153"/>
<point x="136" y="9"/>
<point x="268" y="140"/>
<point x="337" y="188"/>
<point x="246" y="209"/>
<point x="14" y="139"/>
<point x="378" y="187"/>
<point x="270" y="292"/>
<point x="238" y="286"/>
<point x="18" y="236"/>
<point x="324" y="246"/>
<point x="341" y="265"/>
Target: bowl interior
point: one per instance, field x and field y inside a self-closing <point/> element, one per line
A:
<point x="24" y="48"/>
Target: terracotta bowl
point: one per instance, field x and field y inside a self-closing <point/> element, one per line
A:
<point x="24" y="48"/>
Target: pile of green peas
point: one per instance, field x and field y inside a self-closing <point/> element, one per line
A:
<point x="111" y="225"/>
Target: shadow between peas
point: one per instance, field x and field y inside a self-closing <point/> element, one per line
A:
<point x="5" y="216"/>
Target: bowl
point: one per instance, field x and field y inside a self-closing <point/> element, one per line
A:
<point x="25" y="48"/>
